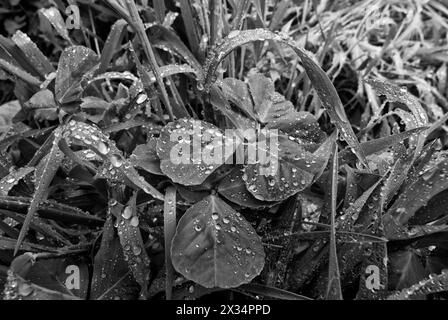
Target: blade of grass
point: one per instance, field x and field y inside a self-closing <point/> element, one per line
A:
<point x="169" y="224"/>
<point x="19" y="73"/>
<point x="272" y="292"/>
<point x="159" y="8"/>
<point x="334" y="291"/>
<point x="43" y="180"/>
<point x="139" y="28"/>
<point x="113" y="40"/>
<point x="190" y="27"/>
<point x="32" y="52"/>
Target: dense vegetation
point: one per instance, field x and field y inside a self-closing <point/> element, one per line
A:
<point x="350" y="96"/>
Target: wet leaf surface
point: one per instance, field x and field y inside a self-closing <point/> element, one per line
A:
<point x="215" y="246"/>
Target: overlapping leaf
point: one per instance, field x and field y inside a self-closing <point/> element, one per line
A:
<point x="190" y="150"/>
<point x="215" y="246"/>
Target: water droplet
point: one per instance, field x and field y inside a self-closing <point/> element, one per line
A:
<point x="116" y="160"/>
<point x="103" y="148"/>
<point x="127" y="212"/>
<point x="136" y="250"/>
<point x="142" y="98"/>
<point x="134" y="221"/>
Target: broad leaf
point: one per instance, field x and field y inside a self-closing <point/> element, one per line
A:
<point x="406" y="269"/>
<point x="7" y="113"/>
<point x="215" y="246"/>
<point x="288" y="168"/>
<point x="190" y="150"/>
<point x="75" y="62"/>
<point x="233" y="188"/>
<point x="145" y="156"/>
<point x="66" y="275"/>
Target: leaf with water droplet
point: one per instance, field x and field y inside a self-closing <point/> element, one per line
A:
<point x="334" y="291"/>
<point x="395" y="94"/>
<point x="67" y="275"/>
<point x="272" y="292"/>
<point x="210" y="252"/>
<point x="36" y="58"/>
<point x="415" y="196"/>
<point x="233" y="188"/>
<point x="319" y="79"/>
<point x="169" y="228"/>
<point x="381" y="144"/>
<point x="271" y="109"/>
<point x="238" y="93"/>
<point x="50" y="209"/>
<point x="132" y="244"/>
<point x="44" y="174"/>
<point x="115" y="166"/>
<point x="432" y="284"/>
<point x="190" y="150"/>
<point x="145" y="156"/>
<point x="111" y="274"/>
<point x="288" y="168"/>
<point x="405" y="269"/>
<point x="160" y="36"/>
<point x="112" y="42"/>
<point x="53" y="16"/>
<point x="17" y="288"/>
<point x="13" y="178"/>
<point x="75" y="63"/>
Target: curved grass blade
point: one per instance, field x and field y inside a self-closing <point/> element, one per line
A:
<point x="44" y="175"/>
<point x="396" y="94"/>
<point x="325" y="89"/>
<point x="165" y="38"/>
